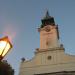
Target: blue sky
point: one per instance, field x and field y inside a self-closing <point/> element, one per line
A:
<point x="19" y="19"/>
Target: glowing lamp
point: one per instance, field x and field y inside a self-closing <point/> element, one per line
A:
<point x="5" y="47"/>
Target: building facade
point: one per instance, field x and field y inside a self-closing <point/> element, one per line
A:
<point x="50" y="58"/>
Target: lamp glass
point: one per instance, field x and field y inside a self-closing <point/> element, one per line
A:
<point x="4" y="47"/>
<point x="7" y="48"/>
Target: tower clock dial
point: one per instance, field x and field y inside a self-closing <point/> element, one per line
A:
<point x="47" y="29"/>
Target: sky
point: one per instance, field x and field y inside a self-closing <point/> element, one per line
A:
<point x="19" y="20"/>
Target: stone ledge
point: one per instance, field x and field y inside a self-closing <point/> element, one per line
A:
<point x="59" y="73"/>
<point x="50" y="49"/>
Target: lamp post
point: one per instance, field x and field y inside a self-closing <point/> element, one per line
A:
<point x="5" y="46"/>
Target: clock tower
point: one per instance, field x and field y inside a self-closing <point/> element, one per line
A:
<point x="50" y="58"/>
<point x="49" y="34"/>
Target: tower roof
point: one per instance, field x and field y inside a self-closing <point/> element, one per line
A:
<point x="47" y="16"/>
<point x="47" y="20"/>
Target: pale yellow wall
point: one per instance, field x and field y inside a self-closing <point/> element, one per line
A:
<point x="40" y="64"/>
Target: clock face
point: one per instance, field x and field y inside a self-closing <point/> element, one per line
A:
<point x="47" y="29"/>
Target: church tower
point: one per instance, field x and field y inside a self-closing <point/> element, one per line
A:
<point x="49" y="34"/>
<point x="50" y="58"/>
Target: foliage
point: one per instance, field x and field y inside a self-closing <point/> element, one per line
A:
<point x="5" y="68"/>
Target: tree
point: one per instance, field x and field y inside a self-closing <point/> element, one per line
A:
<point x="5" y="68"/>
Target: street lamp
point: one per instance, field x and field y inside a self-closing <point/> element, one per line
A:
<point x="5" y="46"/>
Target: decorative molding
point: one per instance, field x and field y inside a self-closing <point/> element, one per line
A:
<point x="50" y="49"/>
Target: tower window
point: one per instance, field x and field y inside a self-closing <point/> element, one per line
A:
<point x="49" y="57"/>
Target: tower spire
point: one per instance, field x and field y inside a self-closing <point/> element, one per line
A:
<point x="47" y="14"/>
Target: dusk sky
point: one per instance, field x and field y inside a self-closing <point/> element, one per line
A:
<point x="19" y="20"/>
